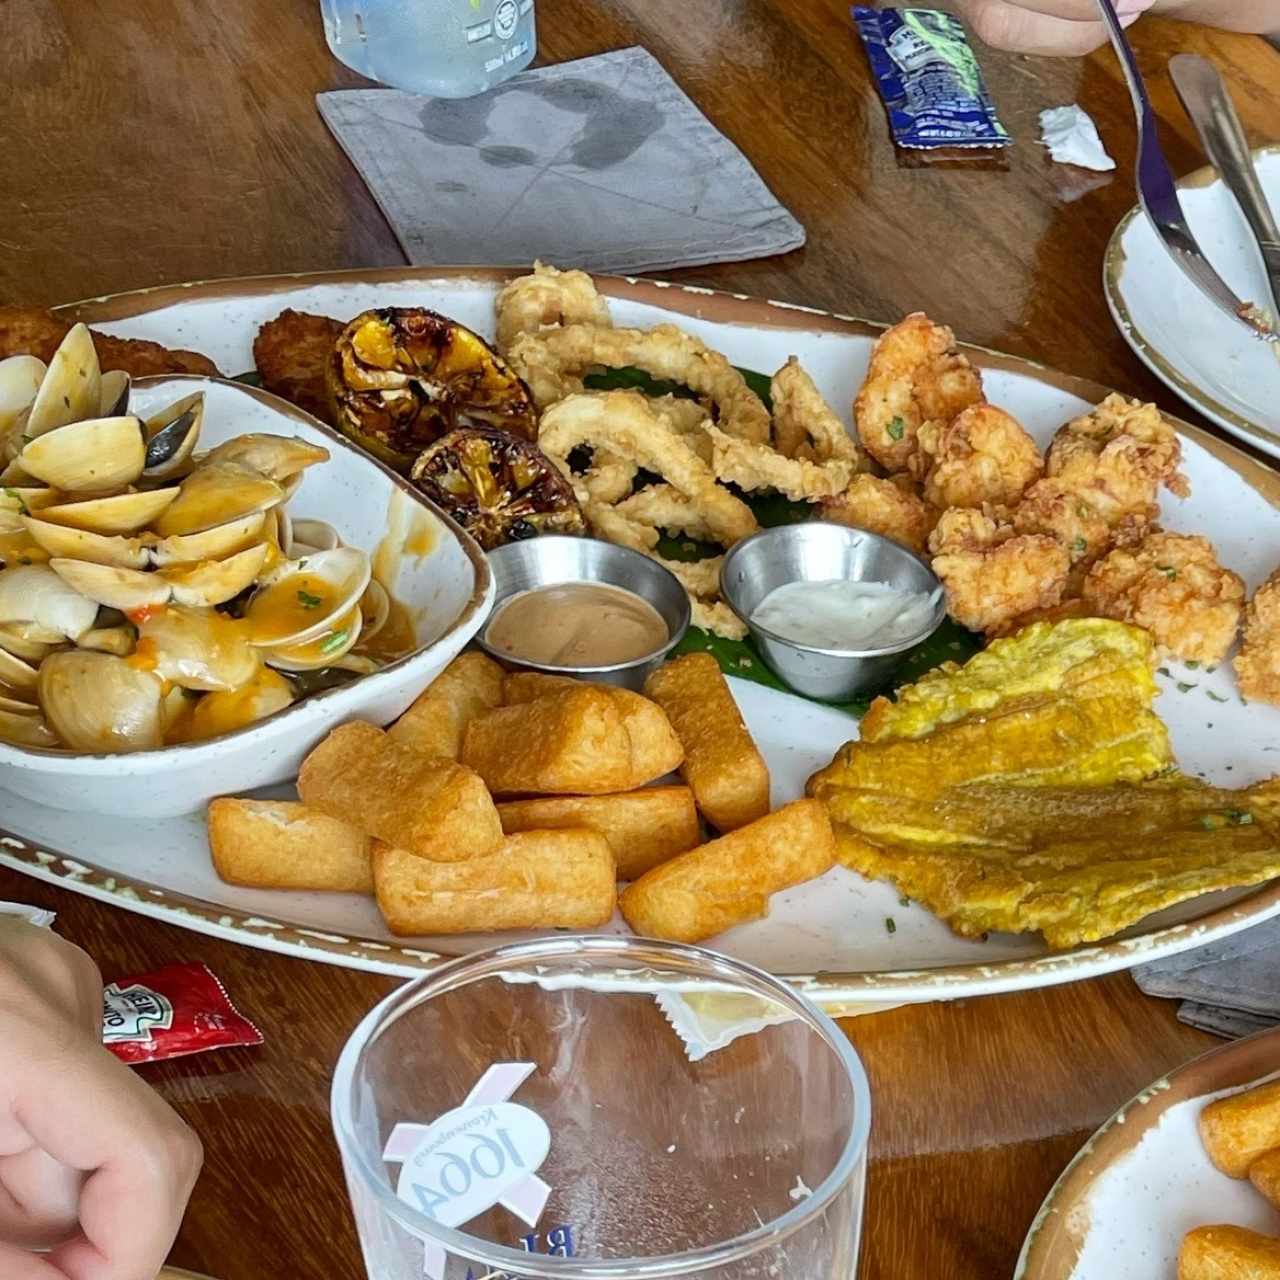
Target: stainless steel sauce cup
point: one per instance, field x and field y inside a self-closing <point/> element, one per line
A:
<point x="817" y="552"/>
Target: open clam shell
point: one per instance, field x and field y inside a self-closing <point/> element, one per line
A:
<point x="17" y="707"/>
<point x="16" y="637"/>
<point x="217" y="494"/>
<point x="328" y="649"/>
<point x="26" y="731"/>
<point x="15" y="674"/>
<point x="217" y="543"/>
<point x="211" y="582"/>
<point x="308" y="536"/>
<point x="375" y="607"/>
<point x="197" y="649"/>
<point x="122" y="513"/>
<point x="171" y="437"/>
<point x="125" y="589"/>
<point x="71" y="389"/>
<point x="116" y="386"/>
<point x="20" y="379"/>
<point x="264" y="695"/>
<point x="98" y="455"/>
<point x="98" y="702"/>
<point x="34" y="593"/>
<point x="279" y="458"/>
<point x="301" y="599"/>
<point x="79" y="544"/>
<point x="118" y="640"/>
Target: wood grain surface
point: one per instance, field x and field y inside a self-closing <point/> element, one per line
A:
<point x="151" y="141"/>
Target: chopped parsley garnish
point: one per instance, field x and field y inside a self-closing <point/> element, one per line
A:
<point x="891" y="924"/>
<point x="1232" y="818"/>
<point x="335" y="641"/>
<point x="1184" y="687"/>
<point x="904" y="902"/>
<point x="1239" y="817"/>
<point x="896" y="428"/>
<point x="1079" y="546"/>
<point x="1164" y="671"/>
<point x="1168" y="570"/>
<point x="1217" y="697"/>
<point x="1083" y="511"/>
<point x="17" y="497"/>
<point x="308" y="601"/>
<point x="1192" y="664"/>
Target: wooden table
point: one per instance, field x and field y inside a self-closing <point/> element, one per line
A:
<point x="162" y="140"/>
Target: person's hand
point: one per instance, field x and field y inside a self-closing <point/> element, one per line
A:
<point x="94" y="1166"/>
<point x="1061" y="27"/>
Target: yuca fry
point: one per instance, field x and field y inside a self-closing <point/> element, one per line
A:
<point x="728" y="774"/>
<point x="1237" y="1130"/>
<point x="432" y="807"/>
<point x="1264" y="1173"/>
<point x="729" y="881"/>
<point x="434" y="724"/>
<point x="536" y="880"/>
<point x="1228" y="1253"/>
<point x="644" y="828"/>
<point x="280" y="844"/>
<point x="655" y="749"/>
<point x="570" y="743"/>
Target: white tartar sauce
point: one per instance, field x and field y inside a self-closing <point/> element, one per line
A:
<point x="839" y="614"/>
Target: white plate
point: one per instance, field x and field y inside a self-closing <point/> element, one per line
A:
<point x="832" y="937"/>
<point x="1201" y="353"/>
<point x="1122" y="1206"/>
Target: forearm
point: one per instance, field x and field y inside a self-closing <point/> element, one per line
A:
<point x="1232" y="15"/>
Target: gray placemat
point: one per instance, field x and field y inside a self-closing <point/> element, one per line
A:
<point x="603" y="164"/>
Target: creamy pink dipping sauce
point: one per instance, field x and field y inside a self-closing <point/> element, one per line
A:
<point x="576" y="624"/>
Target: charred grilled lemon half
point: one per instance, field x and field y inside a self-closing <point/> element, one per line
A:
<point x="399" y="378"/>
<point x="498" y="487"/>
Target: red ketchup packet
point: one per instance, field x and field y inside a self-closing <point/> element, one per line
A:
<point x="173" y="1012"/>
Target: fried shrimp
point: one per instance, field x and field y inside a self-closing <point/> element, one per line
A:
<point x="992" y="574"/>
<point x="1049" y="506"/>
<point x="916" y="376"/>
<point x="37" y="332"/>
<point x="1258" y="662"/>
<point x="1173" y="585"/>
<point x="983" y="455"/>
<point x="547" y="299"/>
<point x="756" y="466"/>
<point x="1116" y="457"/>
<point x="623" y="423"/>
<point x="805" y="425"/>
<point x="291" y="353"/>
<point x="892" y="508"/>
<point x="554" y="361"/>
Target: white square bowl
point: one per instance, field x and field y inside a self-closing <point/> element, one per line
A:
<point x="433" y="569"/>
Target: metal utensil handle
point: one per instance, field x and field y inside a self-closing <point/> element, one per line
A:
<point x="1207" y="102"/>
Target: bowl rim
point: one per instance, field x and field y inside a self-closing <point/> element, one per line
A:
<point x="40" y="758"/>
<point x="654" y="655"/>
<point x="781" y="530"/>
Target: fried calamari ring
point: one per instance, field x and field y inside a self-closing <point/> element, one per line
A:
<point x="554" y="362"/>
<point x="916" y="375"/>
<point x="498" y="487"/>
<point x="622" y="423"/>
<point x="399" y="378"/>
<point x="548" y="299"/>
<point x="756" y="466"/>
<point x="661" y="506"/>
<point x="804" y="424"/>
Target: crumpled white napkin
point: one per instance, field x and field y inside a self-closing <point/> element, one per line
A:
<point x="603" y="164"/>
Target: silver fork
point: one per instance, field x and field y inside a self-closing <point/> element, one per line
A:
<point x="1158" y="194"/>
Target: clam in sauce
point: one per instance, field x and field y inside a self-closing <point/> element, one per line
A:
<point x="153" y="593"/>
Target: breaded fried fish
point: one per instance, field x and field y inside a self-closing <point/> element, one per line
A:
<point x="291" y="353"/>
<point x="36" y="331"/>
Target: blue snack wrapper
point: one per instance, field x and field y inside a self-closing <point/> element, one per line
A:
<point x="929" y="79"/>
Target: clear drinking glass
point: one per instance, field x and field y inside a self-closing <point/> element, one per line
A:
<point x="441" y="48"/>
<point x="532" y="1112"/>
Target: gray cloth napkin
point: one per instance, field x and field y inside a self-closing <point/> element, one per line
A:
<point x="603" y="164"/>
<point x="1230" y="987"/>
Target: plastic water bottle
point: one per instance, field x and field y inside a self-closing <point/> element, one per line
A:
<point x="441" y="48"/>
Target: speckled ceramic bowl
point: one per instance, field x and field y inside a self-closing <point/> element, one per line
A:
<point x="436" y="572"/>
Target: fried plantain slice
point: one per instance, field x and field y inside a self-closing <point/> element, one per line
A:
<point x="399" y="378"/>
<point x="498" y="487"/>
